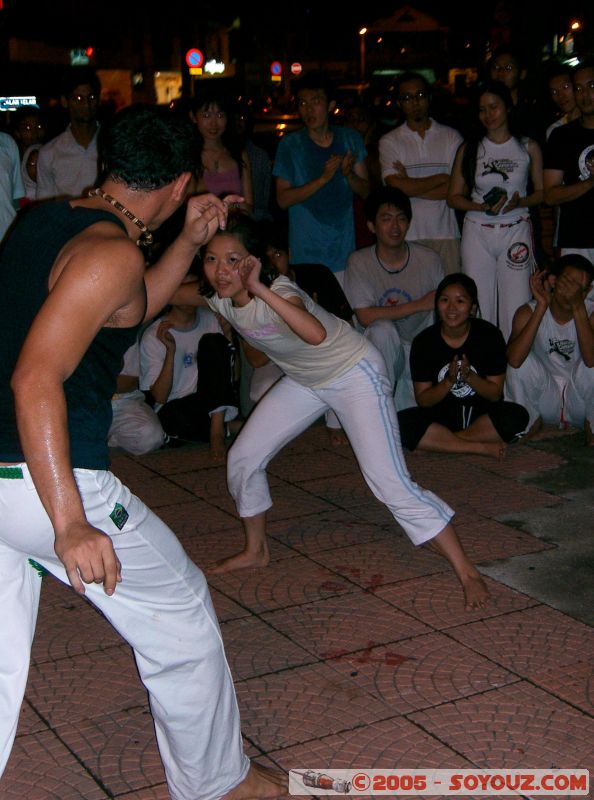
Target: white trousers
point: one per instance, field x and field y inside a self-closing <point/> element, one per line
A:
<point x="162" y="608"/>
<point x="533" y="386"/>
<point x="500" y="259"/>
<point x="135" y="426"/>
<point x="362" y="400"/>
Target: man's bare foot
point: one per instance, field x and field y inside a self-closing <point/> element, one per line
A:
<point x="244" y="560"/>
<point x="261" y="783"/>
<point x="476" y="593"/>
<point x="589" y="435"/>
<point x="337" y="437"/>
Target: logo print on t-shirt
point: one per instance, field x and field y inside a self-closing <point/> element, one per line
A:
<point x="586" y="163"/>
<point x="517" y="255"/>
<point x="394" y="297"/>
<point x="459" y="389"/>
<point x="499" y="166"/>
<point x="563" y="348"/>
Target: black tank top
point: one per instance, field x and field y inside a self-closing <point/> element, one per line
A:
<point x="26" y="259"/>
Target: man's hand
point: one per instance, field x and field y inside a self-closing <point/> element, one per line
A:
<point x="348" y="162"/>
<point x="399" y="169"/>
<point x="331" y="166"/>
<point x="427" y="302"/>
<point x="205" y="214"/>
<point x="88" y="557"/>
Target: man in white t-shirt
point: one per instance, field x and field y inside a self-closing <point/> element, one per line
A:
<point x="186" y="364"/>
<point x="417" y="158"/>
<point x="391" y="285"/>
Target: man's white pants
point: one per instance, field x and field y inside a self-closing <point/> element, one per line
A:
<point x="362" y="400"/>
<point x="500" y="259"/>
<point x="162" y="608"/>
<point x="533" y="386"/>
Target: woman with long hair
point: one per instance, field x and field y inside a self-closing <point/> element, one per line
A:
<point x="489" y="182"/>
<point x="225" y="164"/>
<point x="458" y="369"/>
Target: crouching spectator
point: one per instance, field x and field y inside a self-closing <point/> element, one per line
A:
<point x="187" y="366"/>
<point x="551" y="348"/>
<point x="135" y="427"/>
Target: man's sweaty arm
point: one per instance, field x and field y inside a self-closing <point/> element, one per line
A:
<point x="102" y="281"/>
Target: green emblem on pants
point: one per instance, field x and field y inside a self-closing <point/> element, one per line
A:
<point x="119" y="516"/>
<point x="41" y="571"/>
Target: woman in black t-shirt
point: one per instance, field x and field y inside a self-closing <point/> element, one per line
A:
<point x="458" y="369"/>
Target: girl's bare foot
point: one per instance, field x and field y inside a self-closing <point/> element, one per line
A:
<point x="247" y="559"/>
<point x="476" y="593"/>
<point x="260" y="783"/>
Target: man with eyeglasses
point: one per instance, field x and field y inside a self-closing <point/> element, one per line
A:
<point x="569" y="170"/>
<point x="417" y="158"/>
<point x="67" y="165"/>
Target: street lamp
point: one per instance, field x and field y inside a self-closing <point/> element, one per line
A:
<point x="362" y="33"/>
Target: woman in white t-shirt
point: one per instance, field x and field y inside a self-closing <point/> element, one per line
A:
<point x="326" y="365"/>
<point x="489" y="182"/>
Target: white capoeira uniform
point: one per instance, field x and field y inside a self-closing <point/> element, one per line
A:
<point x="497" y="251"/>
<point x="553" y="382"/>
<point x="162" y="608"/>
<point x="344" y="373"/>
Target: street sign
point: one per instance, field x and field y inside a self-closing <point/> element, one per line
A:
<point x="194" y="58"/>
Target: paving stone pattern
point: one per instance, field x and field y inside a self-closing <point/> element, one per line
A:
<point x="352" y="649"/>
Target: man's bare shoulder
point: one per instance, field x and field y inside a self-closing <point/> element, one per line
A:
<point x="105" y="266"/>
<point x="104" y="250"/>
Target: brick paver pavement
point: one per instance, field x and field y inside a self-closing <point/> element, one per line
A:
<point x="352" y="649"/>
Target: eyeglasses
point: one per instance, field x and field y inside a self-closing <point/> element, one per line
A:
<point x="79" y="99"/>
<point x="408" y="98"/>
<point x="504" y="67"/>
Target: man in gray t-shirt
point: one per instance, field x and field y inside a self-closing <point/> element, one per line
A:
<point x="391" y="285"/>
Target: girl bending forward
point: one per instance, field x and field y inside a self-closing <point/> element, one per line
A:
<point x="326" y="365"/>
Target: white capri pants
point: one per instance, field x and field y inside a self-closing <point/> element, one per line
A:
<point x="162" y="608"/>
<point x="500" y="259"/>
<point x="362" y="400"/>
<point x="533" y="386"/>
<point x="135" y="427"/>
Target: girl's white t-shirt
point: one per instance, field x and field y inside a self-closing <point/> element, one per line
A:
<point x="313" y="366"/>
